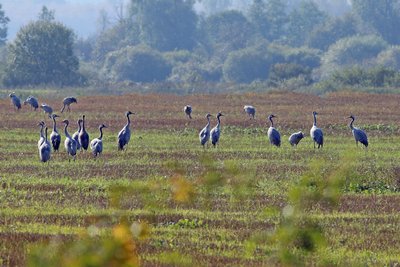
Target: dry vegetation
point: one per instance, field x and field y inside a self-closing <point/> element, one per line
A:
<point x="213" y="207"/>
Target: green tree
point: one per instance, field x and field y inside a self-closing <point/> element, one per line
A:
<point x="228" y="31"/>
<point x="383" y="15"/>
<point x="166" y="25"/>
<point x="277" y="18"/>
<point x="259" y="17"/>
<point x="46" y="14"/>
<point x="302" y="21"/>
<point x="246" y="65"/>
<point x="42" y="53"/>
<point x="4" y="20"/>
<point x="137" y="64"/>
<point x="331" y="31"/>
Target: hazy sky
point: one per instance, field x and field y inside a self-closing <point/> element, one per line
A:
<point x="80" y="15"/>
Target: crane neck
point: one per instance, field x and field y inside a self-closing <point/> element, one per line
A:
<point x="128" y="119"/>
<point x="219" y="121"/>
<point x="351" y="123"/>
<point x="83" y="123"/>
<point x="54" y="124"/>
<point x="41" y="130"/>
<point x="315" y="119"/>
<point x="272" y="122"/>
<point x="45" y="130"/>
<point x="101" y="133"/>
<point x="66" y="131"/>
<point x="79" y="126"/>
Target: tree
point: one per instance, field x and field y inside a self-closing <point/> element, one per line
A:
<point x="228" y="31"/>
<point x="352" y="51"/>
<point x="137" y="64"/>
<point x="246" y="65"/>
<point x="4" y="20"/>
<point x="42" y="53"/>
<point x="383" y="15"/>
<point x="259" y="17"/>
<point x="46" y="14"/>
<point x="166" y="25"/>
<point x="331" y="31"/>
<point x="302" y="21"/>
<point x="277" y="18"/>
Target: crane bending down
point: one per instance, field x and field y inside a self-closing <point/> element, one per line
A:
<point x="125" y="134"/>
<point x="316" y="133"/>
<point x="204" y="134"/>
<point x="359" y="135"/>
<point x="32" y="101"/>
<point x="250" y="110"/>
<point x="83" y="136"/>
<point x="67" y="102"/>
<point x="216" y="131"/>
<point x="69" y="143"/>
<point x="45" y="149"/>
<point x="273" y="134"/>
<point x="55" y="137"/>
<point x="47" y="109"/>
<point x="295" y="138"/>
<point x="188" y="111"/>
<point x="75" y="136"/>
<point x="97" y="144"/>
<point x="15" y="101"/>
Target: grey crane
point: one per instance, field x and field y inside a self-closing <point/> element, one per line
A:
<point x="75" y="136"/>
<point x="69" y="143"/>
<point x="32" y="101"/>
<point x="45" y="149"/>
<point x="295" y="138"/>
<point x="97" y="144"/>
<point x="67" y="102"/>
<point x="55" y="137"/>
<point x="250" y="110"/>
<point x="359" y="135"/>
<point x="83" y="136"/>
<point x="316" y="133"/>
<point x="216" y="131"/>
<point x="188" y="111"/>
<point x="273" y="134"/>
<point x="204" y="134"/>
<point x="47" y="109"/>
<point x="125" y="134"/>
<point x="41" y="138"/>
<point x="15" y="101"/>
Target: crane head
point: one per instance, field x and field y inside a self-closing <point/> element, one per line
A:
<point x="315" y="113"/>
<point x="351" y="117"/>
<point x="102" y="126"/>
<point x="219" y="114"/>
<point x="66" y="122"/>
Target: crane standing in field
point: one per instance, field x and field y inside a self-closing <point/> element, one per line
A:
<point x="316" y="133"/>
<point x="97" y="144"/>
<point x="15" y="101"/>
<point x="75" y="136"/>
<point x="250" y="110"/>
<point x="125" y="134"/>
<point x="295" y="138"/>
<point x="45" y="149"/>
<point x="67" y="102"/>
<point x="83" y="136"/>
<point x="32" y="101"/>
<point x="273" y="134"/>
<point x="188" y="111"/>
<point x="359" y="135"/>
<point x="41" y="137"/>
<point x="204" y="134"/>
<point x="47" y="109"/>
<point x="69" y="143"/>
<point x="55" y="137"/>
<point x="216" y="131"/>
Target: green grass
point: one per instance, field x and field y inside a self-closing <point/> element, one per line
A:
<point x="214" y="228"/>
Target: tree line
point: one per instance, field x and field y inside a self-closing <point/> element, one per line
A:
<point x="168" y="42"/>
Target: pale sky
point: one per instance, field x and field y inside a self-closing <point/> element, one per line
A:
<point x="80" y="15"/>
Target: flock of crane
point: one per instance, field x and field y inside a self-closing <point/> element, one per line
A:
<point x="273" y="134"/>
<point x="80" y="139"/>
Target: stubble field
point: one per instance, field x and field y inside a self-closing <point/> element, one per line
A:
<point x="205" y="206"/>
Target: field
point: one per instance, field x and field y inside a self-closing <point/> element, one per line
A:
<point x="207" y="206"/>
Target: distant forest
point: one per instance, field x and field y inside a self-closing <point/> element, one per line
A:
<point x="188" y="46"/>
